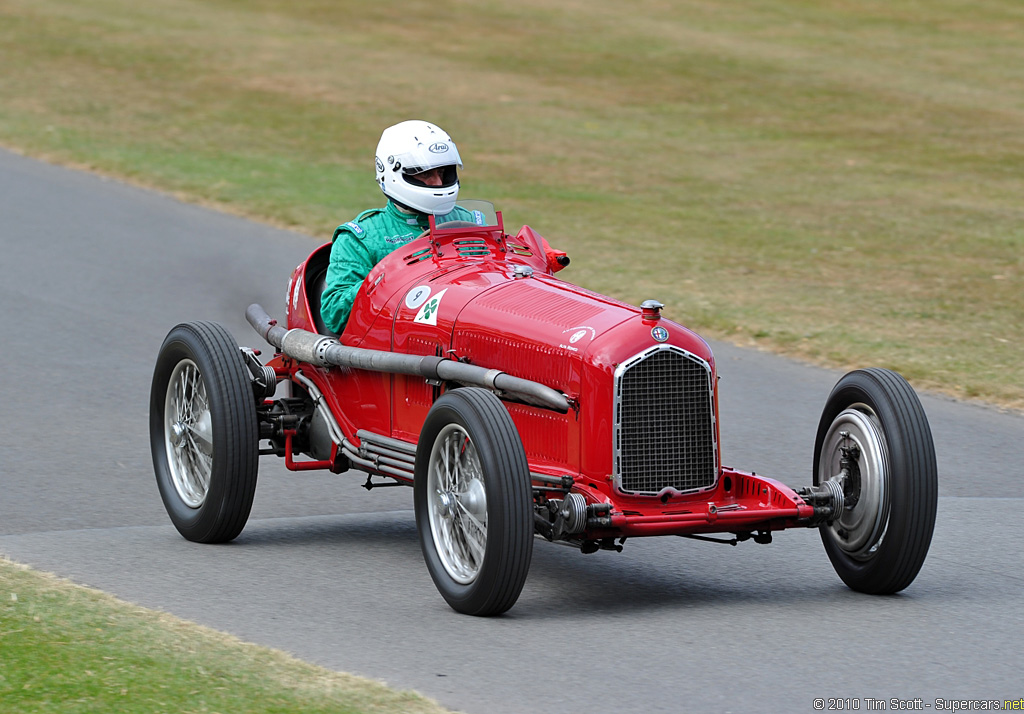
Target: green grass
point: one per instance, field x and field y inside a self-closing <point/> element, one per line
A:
<point x="839" y="181"/>
<point x="65" y="648"/>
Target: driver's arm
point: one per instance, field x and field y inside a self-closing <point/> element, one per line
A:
<point x="349" y="266"/>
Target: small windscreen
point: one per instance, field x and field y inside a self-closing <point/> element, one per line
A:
<point x="472" y="211"/>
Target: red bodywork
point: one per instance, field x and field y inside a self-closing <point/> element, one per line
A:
<point x="493" y="312"/>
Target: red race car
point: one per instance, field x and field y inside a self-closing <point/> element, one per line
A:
<point x="520" y="406"/>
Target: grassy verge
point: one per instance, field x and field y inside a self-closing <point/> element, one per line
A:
<point x="65" y="648"/>
<point x="835" y="180"/>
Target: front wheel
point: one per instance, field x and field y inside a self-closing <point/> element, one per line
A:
<point x="874" y="439"/>
<point x="203" y="432"/>
<point x="473" y="502"/>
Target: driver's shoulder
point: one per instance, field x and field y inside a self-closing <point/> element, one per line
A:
<point x="366" y="222"/>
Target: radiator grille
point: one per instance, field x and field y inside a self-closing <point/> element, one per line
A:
<point x="664" y="422"/>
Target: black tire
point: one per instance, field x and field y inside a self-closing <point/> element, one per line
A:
<point x="475" y="522"/>
<point x="205" y="442"/>
<point x="879" y="545"/>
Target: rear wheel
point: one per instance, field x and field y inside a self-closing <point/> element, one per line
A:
<point x="473" y="502"/>
<point x="874" y="437"/>
<point x="203" y="432"/>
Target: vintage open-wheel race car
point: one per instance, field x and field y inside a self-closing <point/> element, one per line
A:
<point x="519" y="406"/>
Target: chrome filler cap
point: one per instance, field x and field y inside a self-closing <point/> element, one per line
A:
<point x="651" y="309"/>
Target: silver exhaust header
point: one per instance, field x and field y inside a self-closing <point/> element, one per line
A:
<point x="309" y="347"/>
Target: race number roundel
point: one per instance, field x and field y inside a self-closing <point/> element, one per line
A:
<point x="417" y="296"/>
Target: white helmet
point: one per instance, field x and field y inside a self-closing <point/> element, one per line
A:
<point x="410" y="148"/>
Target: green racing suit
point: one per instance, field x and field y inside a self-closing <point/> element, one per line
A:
<point x="361" y="244"/>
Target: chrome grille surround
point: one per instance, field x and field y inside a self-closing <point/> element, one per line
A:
<point x="664" y="423"/>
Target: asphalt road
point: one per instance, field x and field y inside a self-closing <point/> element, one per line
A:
<point x="94" y="273"/>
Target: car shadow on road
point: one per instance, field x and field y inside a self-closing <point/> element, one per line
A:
<point x="382" y="527"/>
<point x="651" y="574"/>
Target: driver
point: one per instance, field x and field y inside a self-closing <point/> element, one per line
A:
<point x="417" y="169"/>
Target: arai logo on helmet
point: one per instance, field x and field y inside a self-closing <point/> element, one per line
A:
<point x="660" y="334"/>
<point x="438" y="148"/>
<point x="380" y="165"/>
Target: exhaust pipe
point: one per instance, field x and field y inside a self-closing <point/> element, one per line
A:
<point x="306" y="346"/>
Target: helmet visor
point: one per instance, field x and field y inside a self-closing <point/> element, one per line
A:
<point x="449" y="176"/>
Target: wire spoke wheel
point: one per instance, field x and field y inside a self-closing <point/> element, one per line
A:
<point x="473" y="502"/>
<point x="458" y="504"/>
<point x="188" y="433"/>
<point x="203" y="432"/>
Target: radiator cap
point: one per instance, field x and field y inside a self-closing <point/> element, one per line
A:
<point x="651" y="309"/>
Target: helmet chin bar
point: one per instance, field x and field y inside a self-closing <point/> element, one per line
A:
<point x="429" y="200"/>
